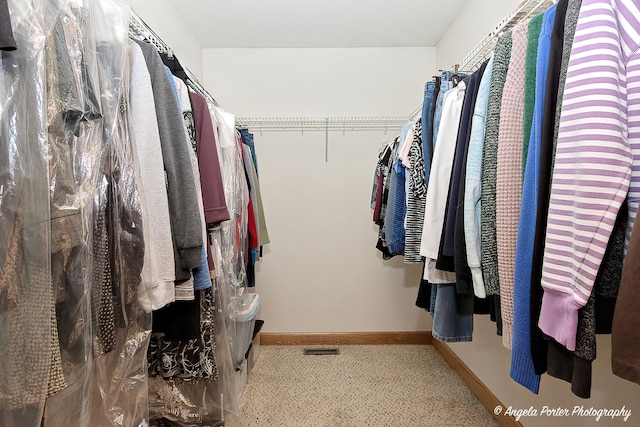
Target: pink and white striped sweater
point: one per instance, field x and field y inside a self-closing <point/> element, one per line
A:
<point x="597" y="159"/>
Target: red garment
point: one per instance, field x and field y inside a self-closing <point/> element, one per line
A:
<point x="251" y="222"/>
<point x="253" y="231"/>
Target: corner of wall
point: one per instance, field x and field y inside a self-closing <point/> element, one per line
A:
<point x="475" y="20"/>
<point x="164" y="20"/>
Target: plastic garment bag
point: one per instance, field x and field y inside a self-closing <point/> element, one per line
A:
<point x="120" y="376"/>
<point x="109" y="374"/>
<point x="73" y="337"/>
<point x="178" y="403"/>
<point x="74" y="134"/>
<point x="231" y="238"/>
<point x="26" y="299"/>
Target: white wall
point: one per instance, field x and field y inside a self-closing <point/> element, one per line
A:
<point x="486" y="356"/>
<point x="319" y="82"/>
<point x="163" y="19"/>
<point x="322" y="273"/>
<point x="474" y="22"/>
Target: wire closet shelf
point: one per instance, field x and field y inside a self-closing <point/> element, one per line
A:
<point x="322" y="123"/>
<point x="483" y="50"/>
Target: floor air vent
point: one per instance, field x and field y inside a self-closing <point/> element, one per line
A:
<point x="321" y="351"/>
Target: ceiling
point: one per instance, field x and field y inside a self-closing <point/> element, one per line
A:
<point x="319" y="23"/>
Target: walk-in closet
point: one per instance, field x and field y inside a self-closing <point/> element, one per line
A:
<point x="307" y="214"/>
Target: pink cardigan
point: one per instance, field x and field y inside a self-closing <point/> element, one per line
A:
<point x="509" y="175"/>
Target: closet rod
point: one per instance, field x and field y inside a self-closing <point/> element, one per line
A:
<point x="138" y="29"/>
<point x="482" y="50"/>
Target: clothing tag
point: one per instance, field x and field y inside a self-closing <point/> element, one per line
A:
<point x="455" y="80"/>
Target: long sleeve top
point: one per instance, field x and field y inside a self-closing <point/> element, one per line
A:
<point x="530" y="82"/>
<point x="181" y="190"/>
<point x="489" y="255"/>
<point x="509" y="176"/>
<point x="464" y="279"/>
<point x="473" y="182"/>
<point x="159" y="257"/>
<point x="201" y="276"/>
<point x="439" y="183"/>
<point x="561" y="41"/>
<point x="447" y="243"/>
<point x="215" y="206"/>
<point x="595" y="153"/>
<point x="395" y="239"/>
<point x="416" y="197"/>
<point x="522" y="369"/>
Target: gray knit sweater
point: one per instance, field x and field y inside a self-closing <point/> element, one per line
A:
<point x="184" y="212"/>
<point x="502" y="56"/>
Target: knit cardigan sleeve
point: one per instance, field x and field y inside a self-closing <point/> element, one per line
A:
<point x="509" y="175"/>
<point x="592" y="171"/>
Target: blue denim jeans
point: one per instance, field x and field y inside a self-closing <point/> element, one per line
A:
<point x="445" y="85"/>
<point x="452" y="314"/>
<point x="427" y="127"/>
<point x="247" y="138"/>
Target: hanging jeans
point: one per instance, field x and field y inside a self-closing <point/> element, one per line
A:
<point x="427" y="127"/>
<point x="452" y="314"/>
<point x="445" y="85"/>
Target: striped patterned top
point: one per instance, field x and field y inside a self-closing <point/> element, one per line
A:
<point x="597" y="159"/>
<point x="416" y="198"/>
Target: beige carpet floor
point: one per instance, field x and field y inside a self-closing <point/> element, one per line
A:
<point x="395" y="385"/>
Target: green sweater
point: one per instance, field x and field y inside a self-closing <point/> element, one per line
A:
<point x="535" y="27"/>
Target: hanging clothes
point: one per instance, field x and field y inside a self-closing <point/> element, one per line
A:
<point x="263" y="233"/>
<point x="416" y="197"/>
<point x="509" y="175"/>
<point x="25" y="234"/>
<point x="560" y="49"/>
<point x="522" y="368"/>
<point x="144" y="125"/>
<point x="201" y="276"/>
<point x="489" y="256"/>
<point x="380" y="194"/>
<point x="215" y="205"/>
<point x="473" y="181"/>
<point x="439" y="184"/>
<point x="625" y="357"/>
<point x="181" y="191"/>
<point x="585" y="218"/>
